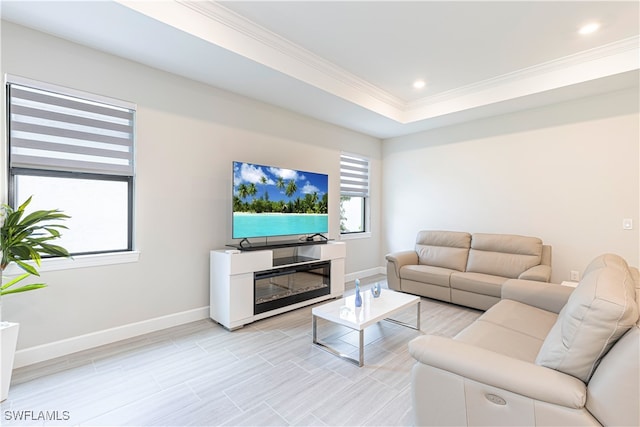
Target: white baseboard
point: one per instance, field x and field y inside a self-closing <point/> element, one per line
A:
<point x="364" y="273"/>
<point x="40" y="353"/>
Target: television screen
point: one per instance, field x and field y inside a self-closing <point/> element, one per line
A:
<point x="272" y="201"/>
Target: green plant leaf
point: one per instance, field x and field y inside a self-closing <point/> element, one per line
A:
<point x="24" y="288"/>
<point x="27" y="267"/>
<point x="54" y="250"/>
<point x="23" y="206"/>
<point x="54" y="233"/>
<point x="39" y="216"/>
<point x="24" y="239"/>
<point x="14" y="281"/>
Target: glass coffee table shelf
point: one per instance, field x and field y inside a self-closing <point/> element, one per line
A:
<point x="373" y="310"/>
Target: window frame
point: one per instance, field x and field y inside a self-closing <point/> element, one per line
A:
<point x="13" y="202"/>
<point x="86" y="258"/>
<point x="366" y="219"/>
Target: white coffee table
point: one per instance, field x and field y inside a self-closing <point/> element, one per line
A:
<point x="373" y="310"/>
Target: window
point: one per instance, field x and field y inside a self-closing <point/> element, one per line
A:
<point x="74" y="152"/>
<point x="354" y="194"/>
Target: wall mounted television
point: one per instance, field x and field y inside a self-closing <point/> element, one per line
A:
<point x="271" y="201"/>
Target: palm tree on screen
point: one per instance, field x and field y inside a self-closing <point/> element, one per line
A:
<point x="243" y="191"/>
<point x="291" y="188"/>
<point x="252" y="190"/>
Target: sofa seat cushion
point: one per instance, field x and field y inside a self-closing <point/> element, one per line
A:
<point x="600" y="310"/>
<point x="479" y="283"/>
<point x="426" y="274"/>
<point x="510" y="328"/>
<point x="503" y="254"/>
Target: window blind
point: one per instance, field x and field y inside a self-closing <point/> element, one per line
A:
<point x="54" y="131"/>
<point x="354" y="176"/>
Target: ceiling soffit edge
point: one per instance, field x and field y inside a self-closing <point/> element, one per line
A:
<point x="603" y="61"/>
<point x="223" y="27"/>
<point x="632" y="44"/>
<point x="268" y="48"/>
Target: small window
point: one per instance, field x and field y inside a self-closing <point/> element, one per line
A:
<point x="354" y="194"/>
<point x="73" y="152"/>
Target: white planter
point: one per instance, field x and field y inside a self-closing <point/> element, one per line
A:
<point x="8" y="340"/>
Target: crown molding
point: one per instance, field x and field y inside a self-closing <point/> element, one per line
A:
<point x="631" y="44"/>
<point x="216" y="24"/>
<point x="602" y="61"/>
<point x="276" y="43"/>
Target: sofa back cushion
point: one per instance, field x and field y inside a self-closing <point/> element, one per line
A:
<point x="446" y="249"/>
<point x="503" y="255"/>
<point x="606" y="260"/>
<point x="599" y="311"/>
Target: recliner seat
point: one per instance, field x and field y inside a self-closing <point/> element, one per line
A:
<point x="544" y="355"/>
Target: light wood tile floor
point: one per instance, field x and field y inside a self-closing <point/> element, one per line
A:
<point x="267" y="373"/>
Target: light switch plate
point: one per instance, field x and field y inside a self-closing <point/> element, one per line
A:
<point x="627" y="224"/>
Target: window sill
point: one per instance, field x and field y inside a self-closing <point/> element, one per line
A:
<point x="80" y="261"/>
<point x="354" y="236"/>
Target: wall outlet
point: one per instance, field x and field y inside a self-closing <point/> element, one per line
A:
<point x="574" y="276"/>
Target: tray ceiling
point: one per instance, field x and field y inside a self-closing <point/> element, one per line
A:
<point x="353" y="63"/>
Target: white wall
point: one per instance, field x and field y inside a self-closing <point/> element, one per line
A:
<point x="567" y="173"/>
<point x="188" y="134"/>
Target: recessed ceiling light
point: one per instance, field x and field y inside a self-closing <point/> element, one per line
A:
<point x="589" y="28"/>
<point x="419" y="84"/>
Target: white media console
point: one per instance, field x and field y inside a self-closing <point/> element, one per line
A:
<point x="234" y="274"/>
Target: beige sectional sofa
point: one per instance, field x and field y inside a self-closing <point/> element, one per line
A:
<point x="467" y="269"/>
<point x="545" y="354"/>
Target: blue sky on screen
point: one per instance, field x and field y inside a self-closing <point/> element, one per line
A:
<point x="307" y="182"/>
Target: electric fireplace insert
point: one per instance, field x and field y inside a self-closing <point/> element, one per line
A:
<point x="291" y="284"/>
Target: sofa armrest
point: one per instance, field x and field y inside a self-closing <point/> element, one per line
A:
<point x="546" y="296"/>
<point x="540" y="273"/>
<point x="500" y="371"/>
<point x="395" y="261"/>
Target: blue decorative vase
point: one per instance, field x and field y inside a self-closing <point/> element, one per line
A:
<point x="358" y="296"/>
<point x="375" y="290"/>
